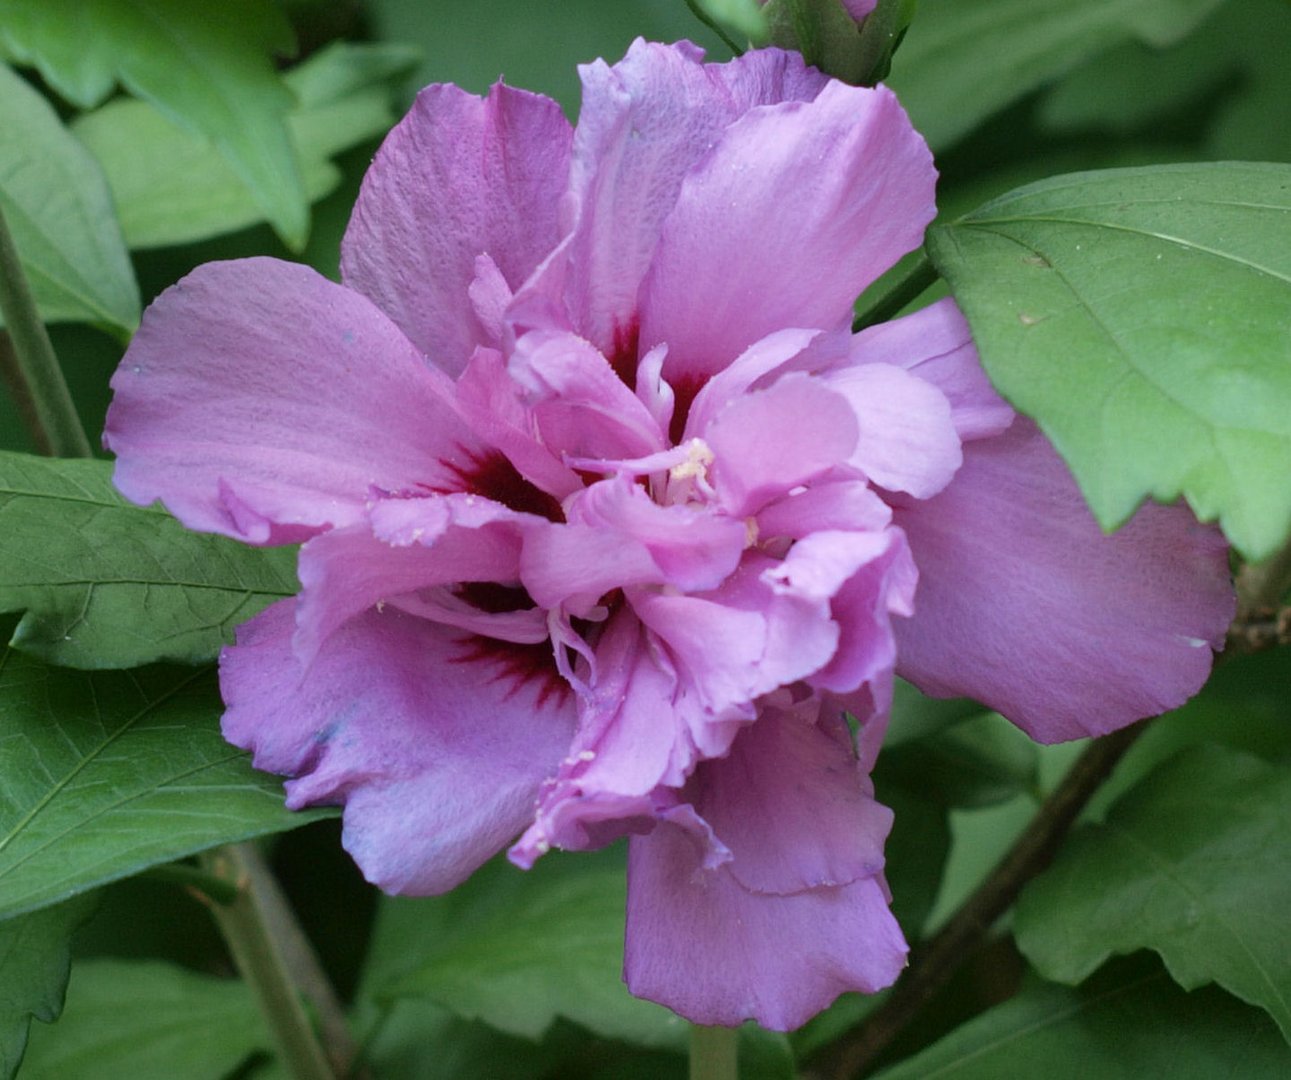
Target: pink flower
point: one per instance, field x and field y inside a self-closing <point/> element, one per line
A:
<point x="608" y="517"/>
<point x="857" y="9"/>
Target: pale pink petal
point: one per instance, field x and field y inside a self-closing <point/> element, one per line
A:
<point x="796" y="210"/>
<point x="644" y="123"/>
<point x="458" y="177"/>
<point x="761" y="445"/>
<point x="707" y="948"/>
<point x="935" y="344"/>
<point x="858" y="9"/>
<point x="843" y="504"/>
<point x="436" y="754"/>
<point x="261" y="400"/>
<point x="1026" y="606"/>
<point x="906" y="435"/>
<point x="769" y="76"/>
<point x="491" y="403"/>
<point x="580" y="407"/>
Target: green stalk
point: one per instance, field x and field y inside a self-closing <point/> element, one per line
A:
<point x="32" y="367"/>
<point x="258" y="957"/>
<point x="907" y="288"/>
<point x="714" y="1053"/>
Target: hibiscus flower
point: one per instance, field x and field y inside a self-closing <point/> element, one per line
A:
<point x="609" y="521"/>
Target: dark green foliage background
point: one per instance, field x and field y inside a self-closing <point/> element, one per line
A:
<point x="1156" y="944"/>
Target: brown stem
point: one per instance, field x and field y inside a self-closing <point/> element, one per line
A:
<point x="936" y="960"/>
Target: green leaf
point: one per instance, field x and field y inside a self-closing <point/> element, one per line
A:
<point x="206" y="66"/>
<point x="130" y="1019"/>
<point x="108" y="584"/>
<point x="978" y="762"/>
<point x="58" y="209"/>
<point x="518" y="949"/>
<point x="962" y="62"/>
<point x="173" y="187"/>
<point x="103" y="774"/>
<point x="1193" y="863"/>
<point x="1143" y="317"/>
<point x="745" y="17"/>
<point x="35" y="957"/>
<point x="1125" y="1025"/>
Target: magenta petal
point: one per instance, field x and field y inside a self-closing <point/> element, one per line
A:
<point x="1026" y="606"/>
<point x="759" y="445"/>
<point x="935" y="344"/>
<point x="770" y="76"/>
<point x="791" y="804"/>
<point x="907" y="439"/>
<point x="644" y="123"/>
<point x="842" y="182"/>
<point x="717" y="953"/>
<point x="258" y="394"/>
<point x="436" y="760"/>
<point x="458" y="177"/>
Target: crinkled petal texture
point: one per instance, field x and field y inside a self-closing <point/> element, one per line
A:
<point x="792" y="912"/>
<point x="607" y="516"/>
<point x="262" y="401"/>
<point x="458" y="179"/>
<point x="436" y="756"/>
<point x="1026" y="606"/>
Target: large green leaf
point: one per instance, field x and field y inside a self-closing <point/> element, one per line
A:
<point x="962" y="62"/>
<point x="107" y="584"/>
<point x="172" y="186"/>
<point x="1125" y="1025"/>
<point x="57" y="207"/>
<point x="208" y="67"/>
<point x="103" y="774"/>
<point x="518" y="950"/>
<point x="125" y="1020"/>
<point x="1143" y="317"/>
<point x="1194" y="863"/>
<point x="35" y="958"/>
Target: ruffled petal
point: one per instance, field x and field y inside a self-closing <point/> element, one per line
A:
<point x="1026" y="606"/>
<point x="408" y="545"/>
<point x="759" y="446"/>
<point x="906" y="435"/>
<point x="458" y="177"/>
<point x="791" y="805"/>
<point x="644" y="123"/>
<point x="842" y="182"/>
<point x="436" y="758"/>
<point x="935" y="344"/>
<point x="717" y="953"/>
<point x="262" y="401"/>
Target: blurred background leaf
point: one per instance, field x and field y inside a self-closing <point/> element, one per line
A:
<point x="58" y="209"/>
<point x="208" y="67"/>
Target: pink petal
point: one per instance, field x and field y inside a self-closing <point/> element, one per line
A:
<point x="1026" y="606"/>
<point x="582" y="409"/>
<point x="841" y="505"/>
<point x="935" y="344"/>
<point x="410" y="544"/>
<point x="759" y="444"/>
<point x="717" y="953"/>
<point x="458" y="177"/>
<point x="907" y="439"/>
<point x="791" y="805"/>
<point x="768" y="77"/>
<point x="644" y="123"/>
<point x="436" y="756"/>
<point x="796" y="210"/>
<point x="262" y="401"/>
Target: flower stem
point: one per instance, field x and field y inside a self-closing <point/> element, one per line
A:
<point x="907" y="288"/>
<point x="262" y="937"/>
<point x="714" y="1053"/>
<point x="936" y="960"/>
<point x="30" y="365"/>
<point x="714" y="26"/>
